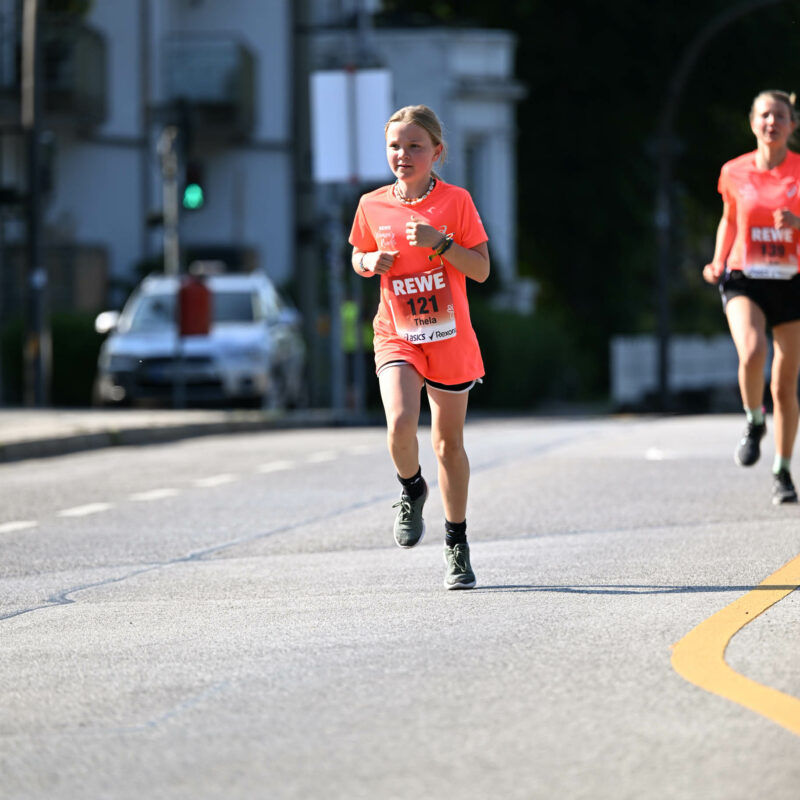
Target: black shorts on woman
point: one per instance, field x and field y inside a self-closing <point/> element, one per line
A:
<point x="778" y="299"/>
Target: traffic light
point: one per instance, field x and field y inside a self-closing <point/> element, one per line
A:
<point x="194" y="195"/>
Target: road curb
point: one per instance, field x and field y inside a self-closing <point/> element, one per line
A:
<point x="110" y="435"/>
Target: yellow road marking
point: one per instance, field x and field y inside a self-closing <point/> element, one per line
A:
<point x="700" y="656"/>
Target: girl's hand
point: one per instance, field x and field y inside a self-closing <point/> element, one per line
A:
<point x="420" y="234"/>
<point x="383" y="260"/>
<point x="784" y="218"/>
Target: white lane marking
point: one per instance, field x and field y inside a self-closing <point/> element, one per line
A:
<point x="83" y="511"/>
<point x="17" y="525"/>
<point x="214" y="480"/>
<point x="361" y="450"/>
<point x="154" y="494"/>
<point x="322" y="456"/>
<point x="276" y="466"/>
<point x="656" y="454"/>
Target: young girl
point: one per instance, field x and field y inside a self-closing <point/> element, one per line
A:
<point x="756" y="265"/>
<point x="424" y="238"/>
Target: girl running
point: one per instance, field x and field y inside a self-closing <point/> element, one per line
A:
<point x="756" y="265"/>
<point x="424" y="238"/>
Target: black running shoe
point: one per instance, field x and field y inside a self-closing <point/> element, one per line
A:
<point x="749" y="449"/>
<point x="783" y="490"/>
<point x="459" y="573"/>
<point x="409" y="526"/>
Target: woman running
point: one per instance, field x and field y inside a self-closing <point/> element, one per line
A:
<point x="756" y="265"/>
<point x="424" y="238"/>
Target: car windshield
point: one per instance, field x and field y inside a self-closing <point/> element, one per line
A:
<point x="153" y="312"/>
<point x="234" y="306"/>
<point x="157" y="311"/>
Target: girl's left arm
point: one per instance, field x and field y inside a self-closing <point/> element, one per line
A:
<point x="472" y="261"/>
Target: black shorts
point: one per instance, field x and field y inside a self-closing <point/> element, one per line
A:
<point x="779" y="300"/>
<point x="455" y="388"/>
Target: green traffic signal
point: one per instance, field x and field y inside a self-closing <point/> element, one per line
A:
<point x="193" y="197"/>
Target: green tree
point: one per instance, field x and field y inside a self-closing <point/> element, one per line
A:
<point x="596" y="75"/>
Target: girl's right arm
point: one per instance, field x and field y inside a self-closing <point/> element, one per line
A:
<point x="377" y="262"/>
<point x="726" y="234"/>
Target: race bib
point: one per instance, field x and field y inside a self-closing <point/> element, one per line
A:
<point x="771" y="254"/>
<point x="422" y="307"/>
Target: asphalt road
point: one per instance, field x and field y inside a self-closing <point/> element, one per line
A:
<point x="228" y="617"/>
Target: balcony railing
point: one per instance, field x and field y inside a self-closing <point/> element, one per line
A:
<point x="213" y="79"/>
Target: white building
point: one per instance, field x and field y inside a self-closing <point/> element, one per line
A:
<point x="223" y="69"/>
<point x="234" y="73"/>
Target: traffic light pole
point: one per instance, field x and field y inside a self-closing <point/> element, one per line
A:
<point x="167" y="150"/>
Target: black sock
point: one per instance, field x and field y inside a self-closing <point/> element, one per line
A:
<point x="455" y="533"/>
<point x="413" y="487"/>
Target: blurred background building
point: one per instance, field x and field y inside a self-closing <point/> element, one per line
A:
<point x="232" y="77"/>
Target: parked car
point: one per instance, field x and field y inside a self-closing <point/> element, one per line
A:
<point x="253" y="353"/>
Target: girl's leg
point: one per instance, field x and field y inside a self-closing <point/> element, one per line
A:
<point x="400" y="387"/>
<point x="785" y="371"/>
<point x="749" y="331"/>
<point x="448" y="413"/>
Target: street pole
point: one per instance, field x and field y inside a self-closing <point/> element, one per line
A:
<point x="665" y="150"/>
<point x="335" y="244"/>
<point x="306" y="247"/>
<point x="167" y="150"/>
<point x="37" y="350"/>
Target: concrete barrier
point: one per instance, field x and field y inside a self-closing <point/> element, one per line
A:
<point x="696" y="363"/>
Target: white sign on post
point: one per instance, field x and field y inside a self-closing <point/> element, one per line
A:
<point x="348" y="111"/>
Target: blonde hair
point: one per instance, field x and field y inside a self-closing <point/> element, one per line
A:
<point x="782" y="97"/>
<point x="427" y="120"/>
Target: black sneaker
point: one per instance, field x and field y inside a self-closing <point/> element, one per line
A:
<point x="459" y="573"/>
<point x="783" y="490"/>
<point x="749" y="449"/>
<point x="409" y="526"/>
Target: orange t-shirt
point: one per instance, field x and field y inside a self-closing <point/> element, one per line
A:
<point x="760" y="250"/>
<point x="422" y="301"/>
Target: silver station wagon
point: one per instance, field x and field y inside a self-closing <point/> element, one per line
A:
<point x="253" y="353"/>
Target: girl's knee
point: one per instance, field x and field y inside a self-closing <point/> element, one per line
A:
<point x="448" y="448"/>
<point x="401" y="425"/>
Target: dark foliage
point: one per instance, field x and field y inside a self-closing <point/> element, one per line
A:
<point x="75" y="350"/>
<point x="597" y="76"/>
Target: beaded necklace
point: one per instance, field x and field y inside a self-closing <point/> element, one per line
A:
<point x="414" y="202"/>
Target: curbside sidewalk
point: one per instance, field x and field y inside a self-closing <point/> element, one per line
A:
<point x="41" y="433"/>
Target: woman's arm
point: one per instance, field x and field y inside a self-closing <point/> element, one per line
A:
<point x="726" y="234"/>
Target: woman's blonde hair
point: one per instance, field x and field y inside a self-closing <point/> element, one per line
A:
<point x="427" y="120"/>
<point x="782" y="97"/>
